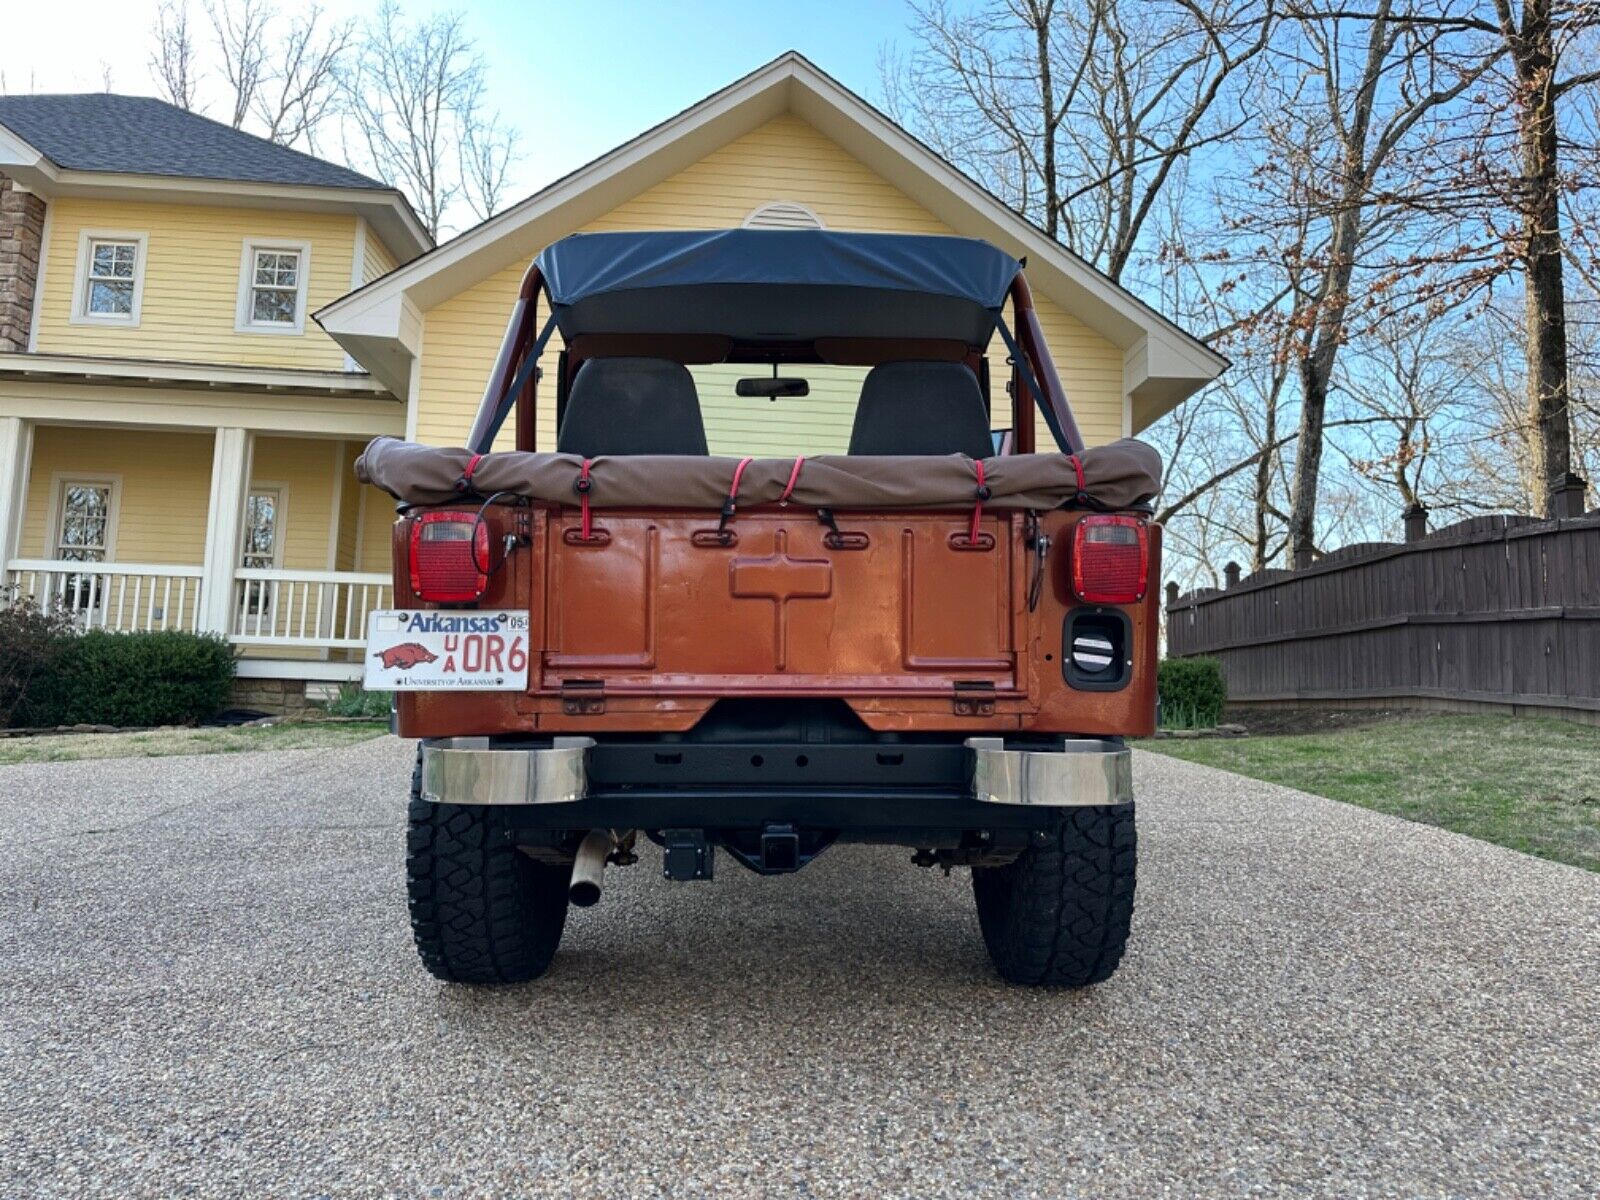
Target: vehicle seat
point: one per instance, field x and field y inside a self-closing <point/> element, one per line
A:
<point x="632" y="406"/>
<point x="921" y="408"/>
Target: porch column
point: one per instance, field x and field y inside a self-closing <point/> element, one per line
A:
<point x="230" y="483"/>
<point x="16" y="456"/>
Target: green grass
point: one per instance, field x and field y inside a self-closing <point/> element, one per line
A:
<point x="1532" y="785"/>
<point x="157" y="743"/>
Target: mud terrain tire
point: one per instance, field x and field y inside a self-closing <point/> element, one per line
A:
<point x="1059" y="915"/>
<point x="482" y="911"/>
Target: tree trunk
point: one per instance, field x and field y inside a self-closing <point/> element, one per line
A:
<point x="1549" y="428"/>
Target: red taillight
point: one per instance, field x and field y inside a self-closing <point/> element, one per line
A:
<point x="449" y="557"/>
<point x="1110" y="560"/>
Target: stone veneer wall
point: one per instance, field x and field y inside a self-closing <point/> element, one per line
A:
<point x="21" y="240"/>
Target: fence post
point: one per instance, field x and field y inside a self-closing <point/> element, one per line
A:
<point x="1416" y="522"/>
<point x="1230" y="575"/>
<point x="1172" y="592"/>
<point x="1567" y="497"/>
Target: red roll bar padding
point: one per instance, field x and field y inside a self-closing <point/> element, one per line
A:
<point x="520" y="330"/>
<point x="1030" y="337"/>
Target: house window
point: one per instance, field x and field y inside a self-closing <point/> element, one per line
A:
<point x="83" y="534"/>
<point x="263" y="519"/>
<point x="110" y="278"/>
<point x="272" y="288"/>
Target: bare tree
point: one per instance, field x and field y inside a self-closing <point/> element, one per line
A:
<point x="172" y="62"/>
<point x="415" y="94"/>
<point x="1077" y="114"/>
<point x="488" y="147"/>
<point x="1353" y="98"/>
<point x="240" y="29"/>
<point x="294" y="98"/>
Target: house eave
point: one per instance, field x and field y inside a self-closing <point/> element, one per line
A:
<point x="137" y="372"/>
<point x="385" y="209"/>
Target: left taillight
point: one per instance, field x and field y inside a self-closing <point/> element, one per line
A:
<point x="1110" y="559"/>
<point x="449" y="557"/>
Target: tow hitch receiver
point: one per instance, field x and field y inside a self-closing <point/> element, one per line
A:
<point x="779" y="849"/>
<point x="686" y="855"/>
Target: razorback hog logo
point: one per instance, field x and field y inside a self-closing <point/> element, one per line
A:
<point x="405" y="656"/>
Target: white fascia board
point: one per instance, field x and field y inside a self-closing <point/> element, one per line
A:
<point x="158" y="408"/>
<point x="73" y="368"/>
<point x="384" y="334"/>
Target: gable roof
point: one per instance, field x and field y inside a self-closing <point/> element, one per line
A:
<point x="140" y="135"/>
<point x="378" y="324"/>
<point x="142" y="148"/>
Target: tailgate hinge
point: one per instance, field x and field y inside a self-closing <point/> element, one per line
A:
<point x="974" y="698"/>
<point x="583" y="697"/>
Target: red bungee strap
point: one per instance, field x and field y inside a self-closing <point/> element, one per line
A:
<point x="732" y="502"/>
<point x="794" y="476"/>
<point x="1083" y="492"/>
<point x="464" y="484"/>
<point x="583" y="486"/>
<point x="982" y="493"/>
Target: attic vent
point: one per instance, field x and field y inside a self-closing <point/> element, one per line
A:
<point x="782" y="214"/>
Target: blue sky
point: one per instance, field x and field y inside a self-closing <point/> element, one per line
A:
<point x="576" y="77"/>
<point x="577" y="86"/>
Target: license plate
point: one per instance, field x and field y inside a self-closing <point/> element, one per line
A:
<point x="416" y="650"/>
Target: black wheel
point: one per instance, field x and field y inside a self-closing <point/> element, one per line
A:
<point x="1059" y="915"/>
<point x="482" y="911"/>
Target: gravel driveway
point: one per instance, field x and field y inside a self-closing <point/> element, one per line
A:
<point x="207" y="988"/>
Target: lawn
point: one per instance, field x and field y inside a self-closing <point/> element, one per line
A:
<point x="156" y="743"/>
<point x="1532" y="785"/>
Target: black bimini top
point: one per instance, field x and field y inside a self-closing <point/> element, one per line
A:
<point x="778" y="285"/>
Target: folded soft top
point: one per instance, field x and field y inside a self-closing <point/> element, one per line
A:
<point x="1123" y="474"/>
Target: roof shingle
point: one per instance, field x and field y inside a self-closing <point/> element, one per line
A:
<point x="140" y="135"/>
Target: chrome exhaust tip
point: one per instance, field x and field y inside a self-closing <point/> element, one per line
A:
<point x="587" y="868"/>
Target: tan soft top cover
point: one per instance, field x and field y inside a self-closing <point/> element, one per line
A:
<point x="1121" y="475"/>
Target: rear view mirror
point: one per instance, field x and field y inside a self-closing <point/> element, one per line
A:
<point x="772" y="387"/>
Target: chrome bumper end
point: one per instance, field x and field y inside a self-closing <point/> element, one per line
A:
<point x="467" y="771"/>
<point x="1086" y="772"/>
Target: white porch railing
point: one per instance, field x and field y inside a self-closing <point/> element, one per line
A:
<point x="120" y="597"/>
<point x="305" y="609"/>
<point x="302" y="610"/>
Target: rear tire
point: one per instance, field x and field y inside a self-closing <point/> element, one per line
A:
<point x="1060" y="914"/>
<point x="482" y="911"/>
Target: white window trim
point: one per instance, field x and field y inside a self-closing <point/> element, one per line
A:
<point x="281" y="519"/>
<point x="80" y="279"/>
<point x="247" y="270"/>
<point x="59" y="481"/>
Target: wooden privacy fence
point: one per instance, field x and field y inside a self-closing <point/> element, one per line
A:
<point x="1501" y="610"/>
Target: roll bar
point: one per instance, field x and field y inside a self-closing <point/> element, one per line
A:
<point x="1033" y="365"/>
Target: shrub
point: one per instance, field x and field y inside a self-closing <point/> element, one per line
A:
<point x="30" y="643"/>
<point x="1192" y="692"/>
<point x="156" y="678"/>
<point x="355" y="701"/>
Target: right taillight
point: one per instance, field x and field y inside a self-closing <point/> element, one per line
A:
<point x="449" y="557"/>
<point x="1110" y="559"/>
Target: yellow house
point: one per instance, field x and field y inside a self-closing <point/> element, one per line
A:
<point x="176" y="433"/>
<point x="165" y="458"/>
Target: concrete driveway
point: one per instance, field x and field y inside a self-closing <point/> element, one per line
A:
<point x="207" y="988"/>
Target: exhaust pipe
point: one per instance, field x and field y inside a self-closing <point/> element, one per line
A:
<point x="588" y="866"/>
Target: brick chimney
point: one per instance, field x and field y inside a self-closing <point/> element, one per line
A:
<point x="21" y="245"/>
